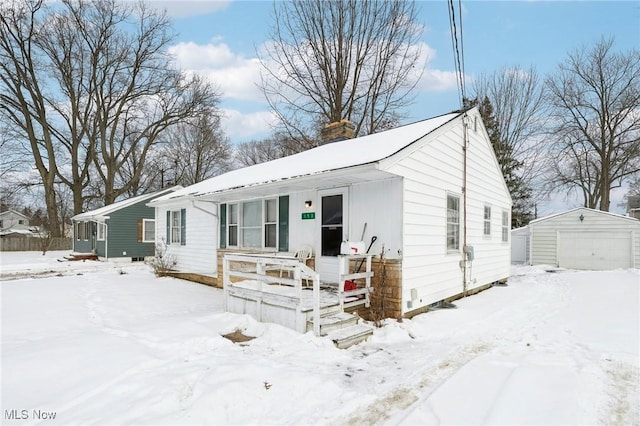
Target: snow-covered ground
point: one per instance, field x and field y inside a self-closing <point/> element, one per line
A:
<point x="102" y="343"/>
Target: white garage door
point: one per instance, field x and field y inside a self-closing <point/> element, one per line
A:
<point x="594" y="250"/>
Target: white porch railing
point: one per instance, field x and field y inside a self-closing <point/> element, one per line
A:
<point x="359" y="296"/>
<point x="239" y="267"/>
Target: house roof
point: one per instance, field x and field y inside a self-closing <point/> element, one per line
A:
<point x="633" y="202"/>
<point x="17" y="213"/>
<point x="332" y="156"/>
<point x="103" y="212"/>
<point x="612" y="215"/>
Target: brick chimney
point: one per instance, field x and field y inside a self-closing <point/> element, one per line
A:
<point x="338" y="131"/>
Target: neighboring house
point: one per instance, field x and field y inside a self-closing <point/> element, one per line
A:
<point x="633" y="206"/>
<point x="124" y="230"/>
<point x="581" y="238"/>
<point x="405" y="186"/>
<point x="13" y="223"/>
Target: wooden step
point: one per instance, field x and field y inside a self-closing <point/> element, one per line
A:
<point x="336" y="321"/>
<point x="352" y="335"/>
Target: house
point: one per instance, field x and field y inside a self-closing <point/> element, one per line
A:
<point x="440" y="212"/>
<point x="581" y="238"/>
<point x="633" y="206"/>
<point x="15" y="224"/>
<point x="124" y="230"/>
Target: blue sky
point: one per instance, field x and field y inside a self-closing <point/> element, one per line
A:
<point x="219" y="39"/>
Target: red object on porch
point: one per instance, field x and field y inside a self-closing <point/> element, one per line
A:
<point x="350" y="285"/>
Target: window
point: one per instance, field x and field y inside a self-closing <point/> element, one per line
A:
<point x="148" y="230"/>
<point x="87" y="230"/>
<point x="253" y="224"/>
<point x="505" y="226"/>
<point x="20" y="222"/>
<point x="487" y="221"/>
<point x="0" y="224"/>
<point x="233" y="224"/>
<point x="101" y="231"/>
<point x="175" y="226"/>
<point x="453" y="223"/>
<point x="79" y="231"/>
<point x="270" y="223"/>
<point x="331" y="228"/>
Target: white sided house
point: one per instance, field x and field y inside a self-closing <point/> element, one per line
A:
<point x="581" y="238"/>
<point x="432" y="193"/>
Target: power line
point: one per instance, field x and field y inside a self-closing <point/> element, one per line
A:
<point x="458" y="49"/>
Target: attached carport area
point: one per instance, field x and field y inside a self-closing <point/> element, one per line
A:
<point x="595" y="250"/>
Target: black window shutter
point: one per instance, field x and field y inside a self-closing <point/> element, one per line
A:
<point x="223" y="225"/>
<point x="168" y="227"/>
<point x="183" y="227"/>
<point x="283" y="223"/>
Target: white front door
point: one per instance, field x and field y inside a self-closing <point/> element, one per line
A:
<point x="333" y="230"/>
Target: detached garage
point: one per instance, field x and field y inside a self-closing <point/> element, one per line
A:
<point x="584" y="238"/>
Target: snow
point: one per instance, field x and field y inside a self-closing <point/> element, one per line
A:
<point x="332" y="156"/>
<point x="106" y="343"/>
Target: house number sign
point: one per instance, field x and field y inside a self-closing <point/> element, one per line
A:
<point x="308" y="215"/>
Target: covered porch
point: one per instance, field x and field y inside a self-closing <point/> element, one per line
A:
<point x="283" y="290"/>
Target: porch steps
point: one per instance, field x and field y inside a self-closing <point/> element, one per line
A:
<point x="352" y="335"/>
<point x="343" y="329"/>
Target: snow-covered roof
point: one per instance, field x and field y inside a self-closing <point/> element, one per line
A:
<point x="332" y="156"/>
<point x="613" y="215"/>
<point x="13" y="212"/>
<point x="106" y="210"/>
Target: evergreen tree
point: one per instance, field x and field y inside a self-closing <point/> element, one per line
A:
<point x="521" y="210"/>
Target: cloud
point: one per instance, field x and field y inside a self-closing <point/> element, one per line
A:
<point x="434" y="80"/>
<point x="236" y="75"/>
<point x="183" y="9"/>
<point x="241" y="127"/>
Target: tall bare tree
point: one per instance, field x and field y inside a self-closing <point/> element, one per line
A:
<point x="341" y="59"/>
<point x="517" y="97"/>
<point x="595" y="101"/>
<point x="23" y="93"/>
<point x="101" y="88"/>
<point x="196" y="150"/>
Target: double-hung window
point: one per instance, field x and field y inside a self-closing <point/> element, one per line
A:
<point x="175" y="226"/>
<point x="101" y="231"/>
<point x="148" y="230"/>
<point x="87" y="230"/>
<point x="487" y="221"/>
<point x="271" y="223"/>
<point x="505" y="226"/>
<point x="453" y="223"/>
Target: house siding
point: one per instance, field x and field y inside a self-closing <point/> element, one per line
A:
<point x="122" y="232"/>
<point x="544" y="233"/>
<point x="431" y="172"/>
<point x="198" y="255"/>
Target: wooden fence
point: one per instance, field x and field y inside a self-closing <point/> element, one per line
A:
<point x="34" y="244"/>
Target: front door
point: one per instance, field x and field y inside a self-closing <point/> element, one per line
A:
<point x="332" y="232"/>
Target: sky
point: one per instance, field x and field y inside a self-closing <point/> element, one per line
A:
<point x="220" y="39"/>
<point x="108" y="343"/>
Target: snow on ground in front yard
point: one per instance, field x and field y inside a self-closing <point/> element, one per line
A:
<point x="108" y="343"/>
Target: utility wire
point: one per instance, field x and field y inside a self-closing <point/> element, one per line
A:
<point x="458" y="57"/>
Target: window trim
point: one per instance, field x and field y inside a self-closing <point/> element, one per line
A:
<point x="173" y="228"/>
<point x="486" y="223"/>
<point x="236" y="228"/>
<point x="144" y="234"/>
<point x="451" y="249"/>
<point x="101" y="227"/>
<point x="505" y="226"/>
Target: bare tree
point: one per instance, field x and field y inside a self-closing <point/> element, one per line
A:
<point x="276" y="146"/>
<point x="595" y="101"/>
<point x="517" y="97"/>
<point x="196" y="150"/>
<point x="22" y="93"/>
<point x="341" y="59"/>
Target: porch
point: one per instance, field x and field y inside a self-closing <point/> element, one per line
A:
<point x="282" y="290"/>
